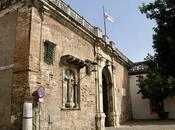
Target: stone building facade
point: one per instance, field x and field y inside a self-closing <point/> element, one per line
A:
<point x="46" y="43"/>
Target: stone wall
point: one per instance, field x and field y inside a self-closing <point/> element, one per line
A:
<point x="7" y="44"/>
<point x="29" y="32"/>
<point x="50" y="76"/>
<point x="123" y="99"/>
<point x="20" y="89"/>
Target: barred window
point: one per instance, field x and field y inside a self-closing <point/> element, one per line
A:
<point x="49" y="52"/>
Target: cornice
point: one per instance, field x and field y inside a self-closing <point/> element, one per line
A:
<point x="63" y="13"/>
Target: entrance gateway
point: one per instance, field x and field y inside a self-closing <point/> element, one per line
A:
<point x="107" y="96"/>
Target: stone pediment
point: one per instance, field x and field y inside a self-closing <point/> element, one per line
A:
<point x="69" y="59"/>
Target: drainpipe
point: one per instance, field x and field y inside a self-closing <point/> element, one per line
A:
<point x="27" y="116"/>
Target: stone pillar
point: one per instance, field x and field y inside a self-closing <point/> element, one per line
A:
<point x="114" y="113"/>
<point x="113" y="116"/>
<point x="100" y="116"/>
<point x="100" y="121"/>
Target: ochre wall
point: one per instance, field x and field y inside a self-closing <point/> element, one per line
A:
<point x="20" y="89"/>
<point x="27" y="44"/>
<point x="123" y="101"/>
<point x="67" y="42"/>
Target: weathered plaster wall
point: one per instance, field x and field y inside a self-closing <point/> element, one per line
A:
<point x="7" y="44"/>
<point x="141" y="107"/>
<point x="169" y="107"/>
<point x="123" y="101"/>
<point x="50" y="76"/>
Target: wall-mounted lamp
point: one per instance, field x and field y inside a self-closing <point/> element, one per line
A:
<point x="91" y="67"/>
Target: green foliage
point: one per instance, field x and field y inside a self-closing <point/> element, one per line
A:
<point x="154" y="85"/>
<point x="160" y="80"/>
<point x="163" y="12"/>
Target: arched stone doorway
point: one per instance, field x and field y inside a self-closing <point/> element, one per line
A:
<point x="107" y="96"/>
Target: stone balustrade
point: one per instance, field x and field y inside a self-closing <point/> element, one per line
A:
<point x="94" y="30"/>
<point x="74" y="15"/>
<point x="6" y="3"/>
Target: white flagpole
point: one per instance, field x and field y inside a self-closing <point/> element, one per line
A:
<point x="104" y="16"/>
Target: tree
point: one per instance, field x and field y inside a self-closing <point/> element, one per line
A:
<point x="159" y="83"/>
<point x="154" y="85"/>
<point x="163" y="12"/>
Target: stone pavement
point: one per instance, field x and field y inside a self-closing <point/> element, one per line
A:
<point x="147" y="125"/>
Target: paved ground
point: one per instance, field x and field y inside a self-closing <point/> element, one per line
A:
<point x="147" y="125"/>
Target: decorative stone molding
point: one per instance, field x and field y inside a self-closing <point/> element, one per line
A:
<point x="62" y="9"/>
<point x="6" y="3"/>
<point x="107" y="63"/>
<point x="98" y="32"/>
<point x="91" y="67"/>
<point x="112" y="44"/>
<point x="113" y="69"/>
<point x="114" y="119"/>
<point x="70" y="89"/>
<point x="71" y="83"/>
<point x="7" y="67"/>
<point x="100" y="121"/>
<point x="99" y="58"/>
<point x="106" y="39"/>
<point x="59" y="9"/>
<point x="69" y="78"/>
<point x="68" y="59"/>
<point x="74" y="15"/>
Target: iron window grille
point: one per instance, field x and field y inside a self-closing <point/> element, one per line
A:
<point x="49" y="52"/>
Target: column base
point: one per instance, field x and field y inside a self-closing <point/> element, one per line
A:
<point x="114" y="120"/>
<point x="100" y="121"/>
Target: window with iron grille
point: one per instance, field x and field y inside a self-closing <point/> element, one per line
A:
<point x="49" y="52"/>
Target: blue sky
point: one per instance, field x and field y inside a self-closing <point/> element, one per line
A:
<point x="131" y="31"/>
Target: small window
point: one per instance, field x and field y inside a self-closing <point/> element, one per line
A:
<point x="49" y="52"/>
